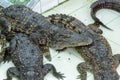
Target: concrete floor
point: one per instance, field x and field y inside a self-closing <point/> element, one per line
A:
<point x="69" y="59"/>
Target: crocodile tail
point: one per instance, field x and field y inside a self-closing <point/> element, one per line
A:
<point x="98" y="22"/>
<point x="97" y="6"/>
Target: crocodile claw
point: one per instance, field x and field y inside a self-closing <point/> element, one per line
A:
<point x="59" y="76"/>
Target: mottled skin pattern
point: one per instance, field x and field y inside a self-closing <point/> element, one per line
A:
<point x="103" y="4"/>
<point x="98" y="55"/>
<point x="18" y="18"/>
<point x="28" y="60"/>
<point x="2" y="47"/>
<point x="2" y="44"/>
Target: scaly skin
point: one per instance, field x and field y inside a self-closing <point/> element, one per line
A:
<point x="98" y="56"/>
<point x="103" y="4"/>
<point x="2" y="44"/>
<point x="28" y="60"/>
<point x="2" y="47"/>
<point x="18" y="18"/>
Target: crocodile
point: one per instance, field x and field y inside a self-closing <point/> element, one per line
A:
<point x="28" y="60"/>
<point x="98" y="55"/>
<point x="103" y="4"/>
<point x="3" y="46"/>
<point x="18" y="18"/>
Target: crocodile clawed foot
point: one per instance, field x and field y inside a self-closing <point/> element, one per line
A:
<point x="78" y="77"/>
<point x="59" y="76"/>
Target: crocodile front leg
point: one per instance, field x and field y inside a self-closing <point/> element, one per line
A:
<point x="12" y="72"/>
<point x="82" y="68"/>
<point x="48" y="67"/>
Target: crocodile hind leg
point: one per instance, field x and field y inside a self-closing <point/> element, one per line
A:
<point x="12" y="72"/>
<point x="48" y="67"/>
<point x="82" y="69"/>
